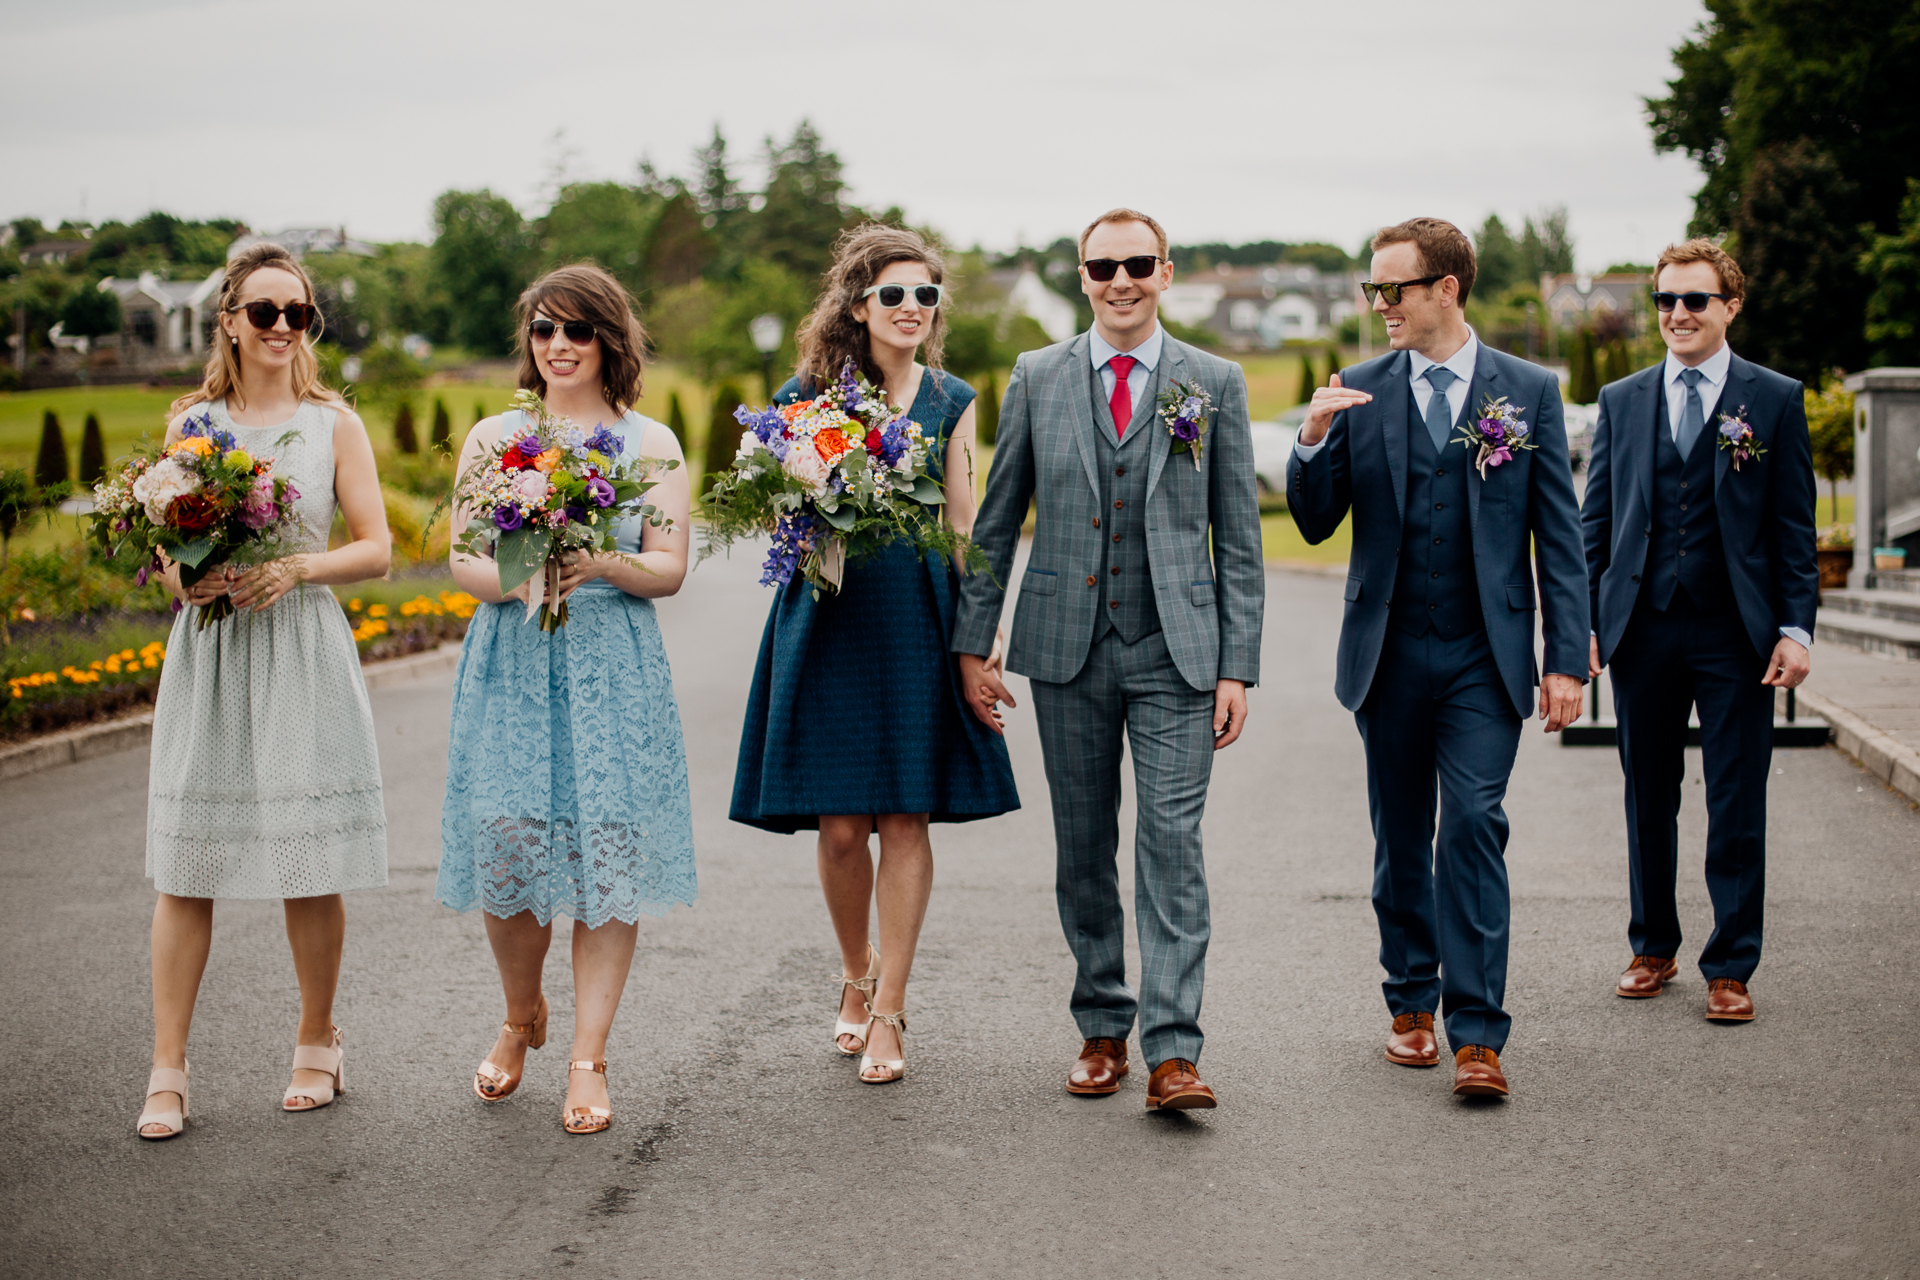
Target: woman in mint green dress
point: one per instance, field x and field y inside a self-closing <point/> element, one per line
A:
<point x="566" y="775"/>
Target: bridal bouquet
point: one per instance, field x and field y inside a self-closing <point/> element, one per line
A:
<point x="200" y="503"/>
<point x="841" y="475"/>
<point x="551" y="490"/>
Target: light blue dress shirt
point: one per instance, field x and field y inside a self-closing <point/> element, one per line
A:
<point x="1140" y="377"/>
<point x="1713" y="380"/>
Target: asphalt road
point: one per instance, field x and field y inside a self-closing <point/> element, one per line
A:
<point x="1639" y="1140"/>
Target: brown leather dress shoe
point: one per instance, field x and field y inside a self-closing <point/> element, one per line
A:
<point x="1476" y="1073"/>
<point x="1412" y="1043"/>
<point x="1175" y="1086"/>
<point x="1102" y="1061"/>
<point x="1728" y="1001"/>
<point x="1646" y="976"/>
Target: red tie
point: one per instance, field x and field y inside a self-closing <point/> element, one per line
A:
<point x="1122" y="401"/>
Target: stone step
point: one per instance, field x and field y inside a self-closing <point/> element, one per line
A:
<point x="1896" y="606"/>
<point x="1873" y="635"/>
<point x="1906" y="581"/>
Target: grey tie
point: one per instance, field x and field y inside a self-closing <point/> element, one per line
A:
<point x="1439" y="414"/>
<point x="1693" y="417"/>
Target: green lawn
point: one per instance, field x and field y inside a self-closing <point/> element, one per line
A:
<point x="1281" y="542"/>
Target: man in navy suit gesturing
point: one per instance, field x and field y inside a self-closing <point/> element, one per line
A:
<point x="1452" y="458"/>
<point x="1700" y="555"/>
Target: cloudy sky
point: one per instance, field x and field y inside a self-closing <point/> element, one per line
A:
<point x="998" y="121"/>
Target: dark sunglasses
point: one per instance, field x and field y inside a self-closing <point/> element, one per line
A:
<point x="1391" y="290"/>
<point x="1139" y="266"/>
<point x="262" y="315"/>
<point x="1695" y="301"/>
<point x="892" y="295"/>
<point x="578" y="332"/>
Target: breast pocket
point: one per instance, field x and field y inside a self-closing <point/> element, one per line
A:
<point x="1039" y="582"/>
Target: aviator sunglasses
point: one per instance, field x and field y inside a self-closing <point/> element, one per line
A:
<point x="892" y="295"/>
<point x="1140" y="266"/>
<point x="1391" y="291"/>
<point x="1695" y="301"/>
<point x="262" y="315"/>
<point x="578" y="332"/>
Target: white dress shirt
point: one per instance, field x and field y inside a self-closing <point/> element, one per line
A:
<point x="1713" y="380"/>
<point x="1140" y="377"/>
<point x="1459" y="364"/>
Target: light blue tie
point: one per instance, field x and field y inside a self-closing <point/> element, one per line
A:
<point x="1693" y="417"/>
<point x="1439" y="413"/>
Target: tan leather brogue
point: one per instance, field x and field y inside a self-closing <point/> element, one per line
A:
<point x="1477" y="1074"/>
<point x="1728" y="1001"/>
<point x="1102" y="1061"/>
<point x="1175" y="1086"/>
<point x="1412" y="1042"/>
<point x="1646" y="976"/>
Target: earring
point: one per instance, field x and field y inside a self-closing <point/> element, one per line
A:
<point x="234" y="341"/>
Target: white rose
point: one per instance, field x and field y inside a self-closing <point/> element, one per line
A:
<point x="160" y="484"/>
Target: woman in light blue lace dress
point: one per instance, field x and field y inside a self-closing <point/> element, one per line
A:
<point x="566" y="775"/>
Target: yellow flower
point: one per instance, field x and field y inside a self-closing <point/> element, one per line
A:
<point x="192" y="444"/>
<point x="378" y="611"/>
<point x="148" y="663"/>
<point x="353" y="605"/>
<point x="95" y="665"/>
<point x="240" y="460"/>
<point x="112" y="664"/>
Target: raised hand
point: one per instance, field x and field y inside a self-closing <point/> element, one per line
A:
<point x="1327" y="401"/>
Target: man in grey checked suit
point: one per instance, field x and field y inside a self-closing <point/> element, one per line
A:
<point x="1126" y="625"/>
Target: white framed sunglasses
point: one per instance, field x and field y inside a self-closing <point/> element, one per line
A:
<point x="929" y="296"/>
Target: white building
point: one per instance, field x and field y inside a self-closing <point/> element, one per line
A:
<point x="158" y="316"/>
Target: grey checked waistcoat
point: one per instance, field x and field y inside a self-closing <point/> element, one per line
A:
<point x="1125" y="579"/>
<point x="1436" y="585"/>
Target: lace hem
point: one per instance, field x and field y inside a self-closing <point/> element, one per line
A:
<point x="593" y="872"/>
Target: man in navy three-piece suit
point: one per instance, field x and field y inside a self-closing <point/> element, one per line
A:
<point x="1453" y="460"/>
<point x="1700" y="551"/>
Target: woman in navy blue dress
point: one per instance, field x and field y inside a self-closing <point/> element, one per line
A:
<point x="856" y="724"/>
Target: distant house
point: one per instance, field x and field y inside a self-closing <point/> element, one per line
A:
<point x="165" y="317"/>
<point x="1028" y="294"/>
<point x="1252" y="308"/>
<point x="52" y="253"/>
<point x="1578" y="302"/>
<point x="301" y="241"/>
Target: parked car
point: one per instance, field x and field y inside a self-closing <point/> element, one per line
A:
<point x="1272" y="442"/>
<point x="1580" y="420"/>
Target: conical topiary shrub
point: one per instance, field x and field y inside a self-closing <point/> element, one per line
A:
<point x="723" y="430"/>
<point x="442" y="428"/>
<point x="405" y="438"/>
<point x="677" y="419"/>
<point x="987" y="421"/>
<point x="93" y="452"/>
<point x="1303" y="392"/>
<point x="50" y="468"/>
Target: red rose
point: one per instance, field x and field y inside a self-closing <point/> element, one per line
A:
<point x="193" y="512"/>
<point x="513" y="460"/>
<point x="873" y="441"/>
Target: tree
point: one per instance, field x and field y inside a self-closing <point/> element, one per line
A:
<point x="680" y="247"/>
<point x="1583" y="385"/>
<point x="1797" y="238"/>
<point x="1333" y="367"/>
<point x="17" y="502"/>
<point x="1892" y="263"/>
<point x="480" y="260"/>
<point x="607" y="223"/>
<point x="93" y="452"/>
<point x="479" y="413"/>
<point x="1498" y="259"/>
<point x="1546" y="247"/>
<point x="987" y="420"/>
<point x="405" y="438"/>
<point x="90" y="312"/>
<point x="677" y="419"/>
<point x="442" y="427"/>
<point x="50" y="467"/>
<point x="802" y="210"/>
<point x="1830" y="425"/>
<point x="1303" y="390"/>
<point x="723" y="430"/>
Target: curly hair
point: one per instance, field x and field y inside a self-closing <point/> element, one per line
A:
<point x="830" y="334"/>
<point x="220" y="379"/>
<point x="585" y="292"/>
<point x="1732" y="279"/>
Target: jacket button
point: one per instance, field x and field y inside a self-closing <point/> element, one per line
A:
<point x="1113" y="604"/>
<point x="1091" y="579"/>
<point x="1116" y="537"/>
<point x="1436" y="573"/>
<point x="1115" y="571"/>
<point x="1439" y="506"/>
<point x="1439" y="473"/>
<point x="1096" y="522"/>
<point x="1117" y="504"/>
<point x="1636" y="577"/>
<point x="1683" y="551"/>
<point x="1119" y="471"/>
<point x="1436" y="542"/>
<point x="1683" y="484"/>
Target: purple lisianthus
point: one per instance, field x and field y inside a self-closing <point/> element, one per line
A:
<point x="600" y="492"/>
<point x="1500" y="455"/>
<point x="1185" y="428"/>
<point x="1733" y="430"/>
<point x="577" y="515"/>
<point x="507" y="518"/>
<point x="292" y="494"/>
<point x="1490" y="427"/>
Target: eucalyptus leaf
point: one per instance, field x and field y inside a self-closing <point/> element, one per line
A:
<point x="927" y="492"/>
<point x="193" y="554"/>
<point x="841" y="518"/>
<point x="520" y="555"/>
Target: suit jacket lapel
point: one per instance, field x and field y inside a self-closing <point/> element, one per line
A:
<point x="1736" y="397"/>
<point x="1393" y="428"/>
<point x="1084" y="425"/>
<point x="1485" y="386"/>
<point x="1643" y="430"/>
<point x="1159" y="446"/>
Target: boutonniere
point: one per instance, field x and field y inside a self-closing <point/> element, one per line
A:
<point x="1184" y="406"/>
<point x="1499" y="433"/>
<point x="1736" y="433"/>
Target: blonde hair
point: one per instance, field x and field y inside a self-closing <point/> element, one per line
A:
<point x="829" y="336"/>
<point x="1732" y="279"/>
<point x="221" y="377"/>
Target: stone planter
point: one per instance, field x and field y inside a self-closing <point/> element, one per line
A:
<point x="1834" y="566"/>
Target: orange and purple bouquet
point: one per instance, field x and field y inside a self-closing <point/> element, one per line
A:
<point x="200" y="503"/>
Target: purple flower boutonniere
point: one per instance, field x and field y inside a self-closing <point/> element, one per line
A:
<point x="1498" y="434"/>
<point x="1736" y="433"/>
<point x="1184" y="407"/>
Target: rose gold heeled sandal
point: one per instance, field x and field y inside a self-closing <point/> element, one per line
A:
<point x="501" y="1083"/>
<point x="331" y="1059"/>
<point x="865" y="986"/>
<point x="588" y="1118"/>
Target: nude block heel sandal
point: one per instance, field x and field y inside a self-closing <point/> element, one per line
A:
<point x="865" y="986"/>
<point x="331" y="1059"/>
<point x="589" y="1118"/>
<point x="488" y="1076"/>
<point x="165" y="1080"/>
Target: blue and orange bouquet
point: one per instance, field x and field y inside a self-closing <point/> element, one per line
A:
<point x="835" y="477"/>
<point x="201" y="502"/>
<point x="550" y="491"/>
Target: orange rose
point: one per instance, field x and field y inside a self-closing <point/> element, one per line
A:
<point x="546" y="462"/>
<point x="192" y="444"/>
<point x="831" y="444"/>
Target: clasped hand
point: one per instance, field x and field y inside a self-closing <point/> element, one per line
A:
<point x="576" y="567"/>
<point x="256" y="588"/>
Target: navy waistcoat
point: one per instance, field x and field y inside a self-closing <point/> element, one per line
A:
<point x="1435" y="586"/>
<point x="1685" y="550"/>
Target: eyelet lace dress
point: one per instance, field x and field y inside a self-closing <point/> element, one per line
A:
<point x="265" y="781"/>
<point x="566" y="773"/>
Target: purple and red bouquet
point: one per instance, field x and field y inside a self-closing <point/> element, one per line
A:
<point x="1498" y="435"/>
<point x="202" y="501"/>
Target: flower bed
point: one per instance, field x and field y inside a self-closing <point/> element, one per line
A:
<point x="394" y="630"/>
